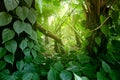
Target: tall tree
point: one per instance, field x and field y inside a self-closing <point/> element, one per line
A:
<point x="97" y="40"/>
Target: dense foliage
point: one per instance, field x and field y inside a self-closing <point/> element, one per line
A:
<point x="59" y="40"/>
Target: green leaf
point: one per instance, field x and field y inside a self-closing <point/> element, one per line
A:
<point x="30" y="44"/>
<point x="39" y="59"/>
<point x="27" y="76"/>
<point x="4" y="75"/>
<point x="23" y="44"/>
<point x="98" y="40"/>
<point x="87" y="33"/>
<point x="28" y="28"/>
<point x="11" y="4"/>
<point x="2" y="52"/>
<point x="89" y="70"/>
<point x="34" y="53"/>
<point x="29" y="67"/>
<point x="2" y="65"/>
<point x="106" y="67"/>
<point x="102" y="18"/>
<point x="83" y="58"/>
<point x="7" y="34"/>
<point x="58" y="66"/>
<point x="65" y="75"/>
<point x="53" y="75"/>
<point x="11" y="46"/>
<point x="9" y="58"/>
<point x="18" y="26"/>
<point x="115" y="15"/>
<point x="22" y="12"/>
<point x="77" y="77"/>
<point x="101" y="75"/>
<point x="32" y="16"/>
<point x="28" y="2"/>
<point x="33" y="36"/>
<point x="115" y="45"/>
<point x="84" y="78"/>
<point x="5" y="71"/>
<point x="105" y="29"/>
<point x="35" y="76"/>
<point x="5" y="18"/>
<point x="12" y="77"/>
<point x="95" y="49"/>
<point x="18" y="75"/>
<point x="26" y="52"/>
<point x="115" y="75"/>
<point x="73" y="68"/>
<point x="20" y="65"/>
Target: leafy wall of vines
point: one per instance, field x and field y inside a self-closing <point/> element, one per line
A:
<point x="19" y="46"/>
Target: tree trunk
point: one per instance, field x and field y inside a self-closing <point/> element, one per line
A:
<point x="93" y="14"/>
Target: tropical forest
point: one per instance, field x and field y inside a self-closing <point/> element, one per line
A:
<point x="59" y="39"/>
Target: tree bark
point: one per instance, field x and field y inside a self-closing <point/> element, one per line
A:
<point x="93" y="14"/>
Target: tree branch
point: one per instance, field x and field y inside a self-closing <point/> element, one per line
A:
<point x="101" y="24"/>
<point x="48" y="33"/>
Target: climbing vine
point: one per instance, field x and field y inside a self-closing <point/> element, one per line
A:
<point x="19" y="46"/>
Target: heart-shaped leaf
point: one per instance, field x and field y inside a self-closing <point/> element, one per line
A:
<point x="65" y="75"/>
<point x="33" y="36"/>
<point x="2" y="52"/>
<point x="28" y="2"/>
<point x="30" y="44"/>
<point x="9" y="58"/>
<point x="7" y="34"/>
<point x="22" y="12"/>
<point x="11" y="4"/>
<point x="28" y="59"/>
<point x="27" y="76"/>
<point x="5" y="18"/>
<point x="2" y="65"/>
<point x="26" y="52"/>
<point x="23" y="44"/>
<point x="11" y="46"/>
<point x="34" y="53"/>
<point x="28" y="28"/>
<point x="32" y="16"/>
<point x="20" y="65"/>
<point x="18" y="27"/>
<point x="53" y="75"/>
<point x="58" y="66"/>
